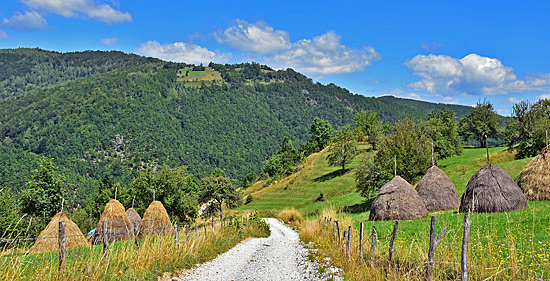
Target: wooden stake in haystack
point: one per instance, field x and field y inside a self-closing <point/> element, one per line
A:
<point x="487" y="146"/>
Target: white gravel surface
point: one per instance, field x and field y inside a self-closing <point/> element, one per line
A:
<point x="281" y="256"/>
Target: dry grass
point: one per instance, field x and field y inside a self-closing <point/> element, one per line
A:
<point x="117" y="222"/>
<point x="155" y="221"/>
<point x="290" y="215"/>
<point x="156" y="257"/>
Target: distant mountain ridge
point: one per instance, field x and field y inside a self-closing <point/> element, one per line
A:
<point x="119" y="113"/>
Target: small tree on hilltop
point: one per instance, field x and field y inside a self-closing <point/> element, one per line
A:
<point x="369" y="127"/>
<point x="343" y="148"/>
<point x="320" y="133"/>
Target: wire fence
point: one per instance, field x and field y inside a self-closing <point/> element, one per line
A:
<point x="13" y="252"/>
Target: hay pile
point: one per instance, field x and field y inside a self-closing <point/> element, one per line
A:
<point x="134" y="217"/>
<point x="155" y="221"/>
<point x="534" y="179"/>
<point x="74" y="237"/>
<point x="397" y="199"/>
<point x="437" y="191"/>
<point x="119" y="226"/>
<point x="491" y="190"/>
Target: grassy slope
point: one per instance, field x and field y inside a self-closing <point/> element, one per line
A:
<point x="502" y="244"/>
<point x="300" y="190"/>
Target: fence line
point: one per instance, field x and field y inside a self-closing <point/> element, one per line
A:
<point x="63" y="253"/>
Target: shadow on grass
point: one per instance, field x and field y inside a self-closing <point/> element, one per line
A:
<point x="330" y="175"/>
<point x="358" y="208"/>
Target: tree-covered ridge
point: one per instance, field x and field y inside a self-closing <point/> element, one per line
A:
<point x="139" y="116"/>
<point x="427" y="107"/>
<point x="25" y="70"/>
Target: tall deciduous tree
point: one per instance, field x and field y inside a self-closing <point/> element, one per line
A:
<point x="528" y="127"/>
<point x="369" y="127"/>
<point x="443" y="131"/>
<point x="483" y="120"/>
<point x="176" y="188"/>
<point x="217" y="190"/>
<point x="320" y="133"/>
<point x="343" y="148"/>
<point x="44" y="193"/>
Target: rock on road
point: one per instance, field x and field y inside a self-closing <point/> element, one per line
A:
<point x="278" y="257"/>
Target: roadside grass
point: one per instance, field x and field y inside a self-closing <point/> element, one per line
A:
<point x="503" y="246"/>
<point x="156" y="256"/>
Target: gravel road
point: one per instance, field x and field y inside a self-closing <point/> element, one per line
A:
<point x="278" y="257"/>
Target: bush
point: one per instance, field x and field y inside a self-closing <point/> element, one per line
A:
<point x="248" y="199"/>
<point x="290" y="216"/>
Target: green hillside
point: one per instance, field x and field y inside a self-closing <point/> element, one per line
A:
<point x="108" y="112"/>
<point x="301" y="191"/>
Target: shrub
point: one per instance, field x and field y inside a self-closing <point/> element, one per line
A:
<point x="290" y="215"/>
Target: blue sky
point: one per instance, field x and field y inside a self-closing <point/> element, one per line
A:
<point x="440" y="51"/>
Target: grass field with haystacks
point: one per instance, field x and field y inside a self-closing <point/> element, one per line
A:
<point x="503" y="246"/>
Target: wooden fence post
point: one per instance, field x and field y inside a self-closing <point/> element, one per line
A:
<point x="373" y="244"/>
<point x="344" y="244"/>
<point x="61" y="241"/>
<point x="187" y="233"/>
<point x="465" y="238"/>
<point x="391" y="242"/>
<point x="361" y="241"/>
<point x="334" y="230"/>
<point x="434" y="242"/>
<point x="176" y="233"/>
<point x="196" y="231"/>
<point x="213" y="228"/>
<point x="338" y="232"/>
<point x="350" y="238"/>
<point x="105" y="241"/>
<point x="136" y="238"/>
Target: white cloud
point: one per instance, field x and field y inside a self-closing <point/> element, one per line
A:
<point x="430" y="46"/>
<point x="543" y="96"/>
<point x="28" y="21"/>
<point x="325" y="55"/>
<point x="473" y="75"/>
<point x="514" y="100"/>
<point x="109" y="41"/>
<point x="258" y="37"/>
<point x="3" y="34"/>
<point x="79" y="8"/>
<point x="181" y="52"/>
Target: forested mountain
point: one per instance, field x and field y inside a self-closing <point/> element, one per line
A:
<point x="107" y="112"/>
<point x="427" y="107"/>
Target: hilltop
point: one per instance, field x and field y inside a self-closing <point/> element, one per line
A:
<point x="108" y="112"/>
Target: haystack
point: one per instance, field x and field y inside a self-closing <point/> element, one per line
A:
<point x="134" y="217"/>
<point x="534" y="180"/>
<point x="119" y="226"/>
<point x="397" y="199"/>
<point x="74" y="237"/>
<point x="155" y="221"/>
<point x="437" y="191"/>
<point x="491" y="190"/>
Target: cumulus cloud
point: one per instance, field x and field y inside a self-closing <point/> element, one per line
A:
<point x="78" y="9"/>
<point x="258" y="37"/>
<point x="321" y="55"/>
<point x="543" y="96"/>
<point x="325" y="55"/>
<point x="514" y="100"/>
<point x="109" y="41"/>
<point x="29" y="21"/>
<point x="3" y="34"/>
<point x="181" y="52"/>
<point x="473" y="74"/>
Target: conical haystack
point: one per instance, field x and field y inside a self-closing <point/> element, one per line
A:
<point x="155" y="221"/>
<point x="134" y="217"/>
<point x="491" y="190"/>
<point x="437" y="191"/>
<point x="534" y="179"/>
<point x="119" y="226"/>
<point x="397" y="199"/>
<point x="73" y="236"/>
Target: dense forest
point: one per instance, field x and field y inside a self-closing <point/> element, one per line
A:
<point x="98" y="113"/>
